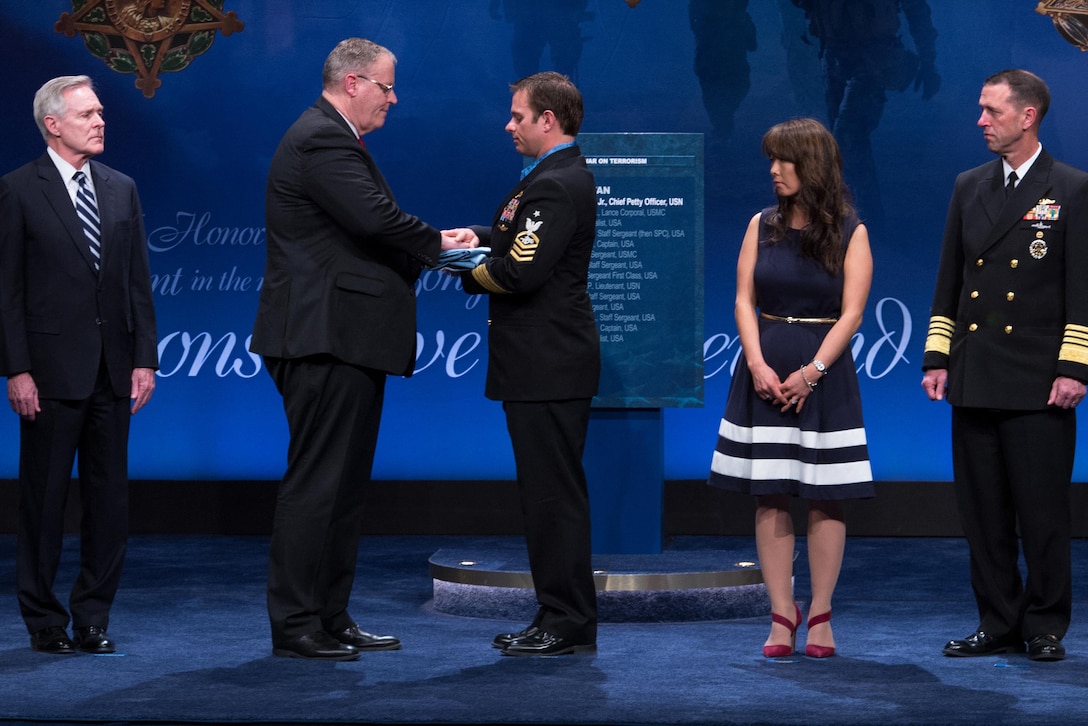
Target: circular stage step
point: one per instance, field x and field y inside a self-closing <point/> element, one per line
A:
<point x="671" y="586"/>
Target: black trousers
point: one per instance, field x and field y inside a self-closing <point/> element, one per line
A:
<point x="549" y="439"/>
<point x="333" y="414"/>
<point x="97" y="429"/>
<point x="1012" y="471"/>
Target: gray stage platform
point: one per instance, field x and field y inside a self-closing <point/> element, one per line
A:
<point x="671" y="586"/>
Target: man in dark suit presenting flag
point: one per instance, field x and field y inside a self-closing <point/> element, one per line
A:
<point x="337" y="315"/>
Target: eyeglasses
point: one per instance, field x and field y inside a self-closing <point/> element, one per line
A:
<point x="387" y="88"/>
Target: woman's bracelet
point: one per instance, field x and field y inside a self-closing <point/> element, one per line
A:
<point x="810" y="384"/>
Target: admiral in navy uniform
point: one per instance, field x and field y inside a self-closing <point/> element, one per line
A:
<point x="1008" y="347"/>
<point x="544" y="356"/>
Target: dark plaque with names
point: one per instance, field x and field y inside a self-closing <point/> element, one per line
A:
<point x="646" y="275"/>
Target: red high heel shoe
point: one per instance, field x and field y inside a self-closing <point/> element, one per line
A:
<point x="819" y="651"/>
<point x="781" y="651"/>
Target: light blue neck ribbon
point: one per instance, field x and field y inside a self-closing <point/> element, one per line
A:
<point x="559" y="147"/>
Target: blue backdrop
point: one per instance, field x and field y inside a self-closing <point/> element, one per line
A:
<point x="199" y="149"/>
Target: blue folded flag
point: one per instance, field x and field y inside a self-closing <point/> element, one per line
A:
<point x="462" y="259"/>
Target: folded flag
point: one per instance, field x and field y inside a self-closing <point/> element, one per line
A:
<point x="461" y="259"/>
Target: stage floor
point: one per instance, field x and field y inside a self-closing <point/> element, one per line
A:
<point x="194" y="648"/>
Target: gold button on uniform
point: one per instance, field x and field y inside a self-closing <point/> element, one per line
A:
<point x="973" y="327"/>
<point x="978" y="262"/>
<point x="1008" y="329"/>
<point x="1010" y="296"/>
<point x="1014" y="263"/>
<point x="974" y="294"/>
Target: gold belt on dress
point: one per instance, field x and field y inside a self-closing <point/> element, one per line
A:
<point x="808" y="321"/>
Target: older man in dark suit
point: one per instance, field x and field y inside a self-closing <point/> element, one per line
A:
<point x="79" y="348"/>
<point x="544" y="357"/>
<point x="1008" y="345"/>
<point x="337" y="315"/>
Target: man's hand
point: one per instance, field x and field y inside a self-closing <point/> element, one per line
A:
<point x="143" y="385"/>
<point x="23" y="395"/>
<point x="935" y="383"/>
<point x="453" y="239"/>
<point x="1066" y="392"/>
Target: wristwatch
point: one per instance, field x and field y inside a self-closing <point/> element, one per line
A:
<point x="819" y="365"/>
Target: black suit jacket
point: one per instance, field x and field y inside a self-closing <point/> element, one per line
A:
<point x="58" y="318"/>
<point x="342" y="256"/>
<point x="1010" y="311"/>
<point x="543" y="343"/>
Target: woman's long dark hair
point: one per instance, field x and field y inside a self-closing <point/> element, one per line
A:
<point x="823" y="196"/>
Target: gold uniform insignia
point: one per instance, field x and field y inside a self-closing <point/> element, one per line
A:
<point x="526" y="243"/>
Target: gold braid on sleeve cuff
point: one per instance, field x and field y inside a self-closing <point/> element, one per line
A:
<point x="939" y="339"/>
<point x="483" y="278"/>
<point x="1074" y="344"/>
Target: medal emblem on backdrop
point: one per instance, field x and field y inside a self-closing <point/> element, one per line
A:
<point x="1070" y="18"/>
<point x="148" y="37"/>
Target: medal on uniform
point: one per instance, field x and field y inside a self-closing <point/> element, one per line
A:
<point x="510" y="211"/>
<point x="1044" y="209"/>
<point x="1038" y="249"/>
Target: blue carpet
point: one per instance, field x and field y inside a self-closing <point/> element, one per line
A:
<point x="191" y="626"/>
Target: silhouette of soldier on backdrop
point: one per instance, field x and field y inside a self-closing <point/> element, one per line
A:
<point x="864" y="56"/>
<point x="540" y="24"/>
<point x="724" y="36"/>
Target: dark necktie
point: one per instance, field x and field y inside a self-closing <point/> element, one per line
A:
<point x="1011" y="184"/>
<point x="87" y="209"/>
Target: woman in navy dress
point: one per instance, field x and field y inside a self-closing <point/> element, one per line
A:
<point x="793" y="423"/>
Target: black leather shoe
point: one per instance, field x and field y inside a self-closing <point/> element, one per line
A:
<point x="982" y="643"/>
<point x="544" y="643"/>
<point x="52" y="640"/>
<point x="1046" y="647"/>
<point x="92" y="639"/>
<point x="504" y="639"/>
<point x="315" y="646"/>
<point x="365" y="641"/>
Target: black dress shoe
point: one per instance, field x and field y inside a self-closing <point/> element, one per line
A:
<point x="365" y="641"/>
<point x="315" y="646"/>
<point x="1046" y="647"/>
<point x="982" y="643"/>
<point x="92" y="639"/>
<point x="52" y="640"/>
<point x="504" y="639"/>
<point x="542" y="642"/>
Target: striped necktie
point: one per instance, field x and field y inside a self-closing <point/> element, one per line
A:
<point x="87" y="209"/>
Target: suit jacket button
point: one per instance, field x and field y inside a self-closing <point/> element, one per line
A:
<point x="1014" y="263"/>
<point x="974" y="294"/>
<point x="973" y="327"/>
<point x="1010" y="296"/>
<point x="1008" y="329"/>
<point x="978" y="262"/>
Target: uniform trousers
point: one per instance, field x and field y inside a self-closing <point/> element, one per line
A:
<point x="548" y="439"/>
<point x="1013" y="470"/>
<point x="333" y="414"/>
<point x="97" y="429"/>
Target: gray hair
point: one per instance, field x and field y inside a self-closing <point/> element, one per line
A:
<point x="351" y="56"/>
<point x="50" y="101"/>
